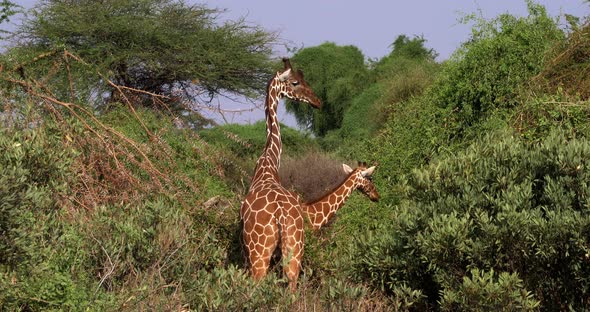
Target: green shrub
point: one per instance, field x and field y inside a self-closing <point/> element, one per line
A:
<point x="491" y="67"/>
<point x="249" y="140"/>
<point x="34" y="273"/>
<point x="401" y="76"/>
<point x="233" y="289"/>
<point x="81" y="229"/>
<point x="500" y="205"/>
<point x="565" y="66"/>
<point x="487" y="291"/>
<point x="409" y="78"/>
<point x="535" y="118"/>
<point x="336" y="74"/>
<point x="397" y="147"/>
<point x="360" y="121"/>
<point x="367" y="115"/>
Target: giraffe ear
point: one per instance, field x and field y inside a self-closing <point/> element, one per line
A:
<point x="346" y="168"/>
<point x="368" y="172"/>
<point x="285" y="74"/>
<point x="300" y="73"/>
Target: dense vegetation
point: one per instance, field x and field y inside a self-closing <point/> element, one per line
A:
<point x="483" y="170"/>
<point x="337" y="74"/>
<point x="171" y="48"/>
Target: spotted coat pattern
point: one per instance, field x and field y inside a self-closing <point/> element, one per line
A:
<point x="321" y="211"/>
<point x="270" y="214"/>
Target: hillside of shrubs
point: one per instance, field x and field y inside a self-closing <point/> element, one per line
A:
<point x="483" y="167"/>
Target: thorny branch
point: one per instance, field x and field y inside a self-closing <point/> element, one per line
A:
<point x="110" y="159"/>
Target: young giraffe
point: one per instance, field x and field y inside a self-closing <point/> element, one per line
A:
<point x="270" y="213"/>
<point x="322" y="210"/>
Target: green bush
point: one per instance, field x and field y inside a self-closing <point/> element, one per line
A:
<point x="405" y="53"/>
<point x="80" y="229"/>
<point x="249" y="140"/>
<point x="231" y="289"/>
<point x="491" y="67"/>
<point x="399" y="77"/>
<point x="500" y="205"/>
<point x="358" y="124"/>
<point x="34" y="274"/>
<point x="535" y="118"/>
<point x="336" y="74"/>
<point x="565" y="66"/>
<point x="399" y="147"/>
<point x="483" y="291"/>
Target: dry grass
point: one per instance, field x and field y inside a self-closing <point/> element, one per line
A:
<point x="312" y="175"/>
<point x="568" y="70"/>
<point x="111" y="166"/>
<point x="141" y="250"/>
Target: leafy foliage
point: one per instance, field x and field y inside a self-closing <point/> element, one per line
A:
<point x="7" y="9"/>
<point x="500" y="205"/>
<point x="484" y="292"/>
<point x="165" y="47"/>
<point x="357" y="125"/>
<point x="241" y="145"/>
<point x="535" y="118"/>
<point x="566" y="69"/>
<point x="388" y="103"/>
<point x="33" y="178"/>
<point x="337" y="74"/>
<point x="487" y="72"/>
<point x="484" y="201"/>
<point x="403" y="49"/>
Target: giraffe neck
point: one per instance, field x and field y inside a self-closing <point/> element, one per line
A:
<point x="268" y="163"/>
<point x="322" y="210"/>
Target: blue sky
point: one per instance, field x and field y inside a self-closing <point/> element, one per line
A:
<point x="371" y="25"/>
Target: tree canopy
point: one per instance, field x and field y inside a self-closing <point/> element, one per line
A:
<point x="7" y="9"/>
<point x="405" y="51"/>
<point x="337" y="74"/>
<point x="411" y="48"/>
<point x="165" y="47"/>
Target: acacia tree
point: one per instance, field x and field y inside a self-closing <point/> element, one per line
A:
<point x="337" y="74"/>
<point x="160" y="46"/>
<point x="7" y="9"/>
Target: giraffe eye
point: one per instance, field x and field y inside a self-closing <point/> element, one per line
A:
<point x="295" y="82"/>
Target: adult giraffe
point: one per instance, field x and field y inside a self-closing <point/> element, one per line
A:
<point x="270" y="213"/>
<point x="319" y="212"/>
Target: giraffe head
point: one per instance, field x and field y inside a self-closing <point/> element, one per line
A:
<point x="295" y="87"/>
<point x="362" y="179"/>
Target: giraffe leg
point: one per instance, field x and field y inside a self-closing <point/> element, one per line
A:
<point x="259" y="242"/>
<point x="292" y="253"/>
<point x="260" y="264"/>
